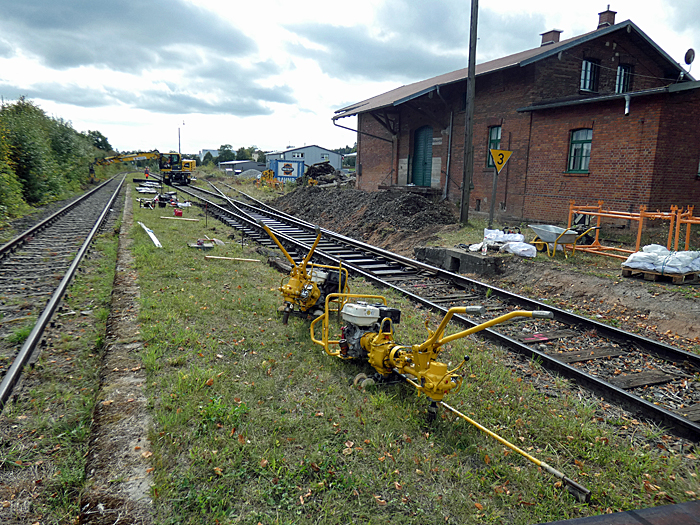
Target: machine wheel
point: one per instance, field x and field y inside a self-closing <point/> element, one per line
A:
<point x="432" y="412"/>
<point x="359" y="378"/>
<point x="367" y="383"/>
<point x="539" y="244"/>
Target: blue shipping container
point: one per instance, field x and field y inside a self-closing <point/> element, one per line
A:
<point x="287" y="170"/>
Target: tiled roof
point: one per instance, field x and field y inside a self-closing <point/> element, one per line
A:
<point x="403" y="94"/>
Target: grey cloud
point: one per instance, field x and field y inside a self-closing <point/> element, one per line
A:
<point x="246" y="101"/>
<point x="352" y="52"/>
<point x="684" y="14"/>
<point x="214" y="71"/>
<point x="125" y="35"/>
<point x="422" y="40"/>
<point x="6" y="50"/>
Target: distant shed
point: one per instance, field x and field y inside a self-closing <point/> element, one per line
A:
<point x="239" y="166"/>
<point x="309" y="154"/>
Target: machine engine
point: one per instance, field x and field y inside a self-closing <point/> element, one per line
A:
<point x="362" y="318"/>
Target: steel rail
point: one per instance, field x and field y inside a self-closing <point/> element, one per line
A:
<point x="20" y="239"/>
<point x="681" y="425"/>
<point x="661" y="350"/>
<point x="13" y="374"/>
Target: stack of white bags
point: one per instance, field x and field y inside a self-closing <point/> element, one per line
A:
<point x="656" y="258"/>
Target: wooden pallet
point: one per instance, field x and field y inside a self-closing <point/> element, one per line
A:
<point x="675" y="278"/>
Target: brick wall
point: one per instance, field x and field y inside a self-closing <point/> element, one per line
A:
<point x="676" y="178"/>
<point x="375" y="157"/>
<point x="649" y="157"/>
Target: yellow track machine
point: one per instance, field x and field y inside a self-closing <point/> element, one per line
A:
<point x="366" y="327"/>
<point x="307" y="286"/>
<point x="368" y="334"/>
<point x="267" y="178"/>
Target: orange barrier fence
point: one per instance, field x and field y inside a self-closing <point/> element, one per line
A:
<point x="676" y="218"/>
<point x="687" y="218"/>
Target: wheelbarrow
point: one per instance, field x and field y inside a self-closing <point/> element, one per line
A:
<point x="548" y="237"/>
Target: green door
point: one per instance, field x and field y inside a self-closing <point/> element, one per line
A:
<point x="422" y="156"/>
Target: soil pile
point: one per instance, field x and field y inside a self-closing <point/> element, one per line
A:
<point x="399" y="221"/>
<point x="382" y="218"/>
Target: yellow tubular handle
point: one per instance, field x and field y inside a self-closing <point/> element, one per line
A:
<point x="492" y="322"/>
<point x="441" y="328"/>
<point x="311" y="251"/>
<point x="579" y="491"/>
<point x="325" y="342"/>
<point x="272" y="236"/>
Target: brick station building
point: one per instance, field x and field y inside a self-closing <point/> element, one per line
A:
<point x="607" y="115"/>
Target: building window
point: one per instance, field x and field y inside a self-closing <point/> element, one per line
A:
<point x="589" y="75"/>
<point x="623" y="79"/>
<point x="324" y="156"/>
<point x="298" y="155"/>
<point x="580" y="150"/>
<point x="494" y="143"/>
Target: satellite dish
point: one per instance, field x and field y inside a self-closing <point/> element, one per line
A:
<point x="689" y="56"/>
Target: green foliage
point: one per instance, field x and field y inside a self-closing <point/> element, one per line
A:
<point x="41" y="158"/>
<point x="99" y="141"/>
<point x="208" y="158"/>
<point x="226" y="153"/>
<point x="347" y="149"/>
<point x="11" y="201"/>
<point x="244" y="154"/>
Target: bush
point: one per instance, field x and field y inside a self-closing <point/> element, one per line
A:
<point x="41" y="158"/>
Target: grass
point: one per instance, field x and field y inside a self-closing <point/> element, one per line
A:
<point x="255" y="424"/>
<point x="46" y="433"/>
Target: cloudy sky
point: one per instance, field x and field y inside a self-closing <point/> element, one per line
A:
<point x="269" y="73"/>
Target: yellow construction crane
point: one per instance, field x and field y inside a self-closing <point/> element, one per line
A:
<point x="174" y="168"/>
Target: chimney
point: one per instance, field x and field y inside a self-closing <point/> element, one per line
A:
<point x="606" y="18"/>
<point x="550" y="37"/>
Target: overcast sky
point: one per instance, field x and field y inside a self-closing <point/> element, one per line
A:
<point x="269" y="73"/>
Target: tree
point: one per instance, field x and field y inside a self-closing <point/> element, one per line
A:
<point x="226" y="153"/>
<point x="244" y="154"/>
<point x="208" y="158"/>
<point x="99" y="140"/>
<point x="346" y="149"/>
<point x="44" y="155"/>
<point x="260" y="156"/>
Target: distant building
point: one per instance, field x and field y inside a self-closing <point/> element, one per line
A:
<point x="202" y="153"/>
<point x="309" y="154"/>
<point x="239" y="166"/>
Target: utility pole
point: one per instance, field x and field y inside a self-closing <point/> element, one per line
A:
<point x="468" y="167"/>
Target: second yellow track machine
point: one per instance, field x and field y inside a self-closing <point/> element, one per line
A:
<point x="306" y="287"/>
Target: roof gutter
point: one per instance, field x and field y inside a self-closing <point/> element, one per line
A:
<point x="357" y="130"/>
<point x="604" y="98"/>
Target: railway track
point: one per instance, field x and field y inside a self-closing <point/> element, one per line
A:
<point x="651" y="379"/>
<point x="35" y="270"/>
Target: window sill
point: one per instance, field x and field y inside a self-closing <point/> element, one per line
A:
<point x="577" y="173"/>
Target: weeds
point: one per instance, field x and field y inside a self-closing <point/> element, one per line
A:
<point x="255" y="424"/>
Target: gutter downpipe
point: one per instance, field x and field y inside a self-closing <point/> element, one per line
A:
<point x="449" y="148"/>
<point x="358" y="131"/>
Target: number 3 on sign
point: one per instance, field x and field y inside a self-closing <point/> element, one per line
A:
<point x="500" y="157"/>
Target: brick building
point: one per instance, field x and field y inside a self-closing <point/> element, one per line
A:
<point x="607" y="115"/>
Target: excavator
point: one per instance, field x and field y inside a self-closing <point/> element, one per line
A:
<point x="174" y="168"/>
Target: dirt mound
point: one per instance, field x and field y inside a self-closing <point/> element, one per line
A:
<point x="367" y="215"/>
